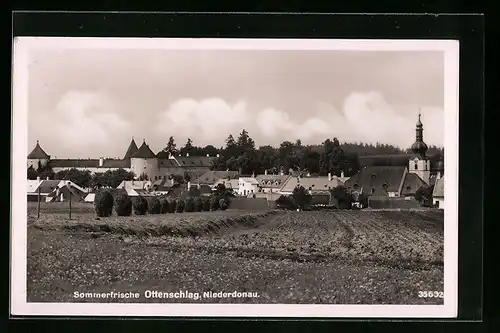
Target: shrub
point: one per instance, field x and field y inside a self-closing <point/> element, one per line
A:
<point x="197" y="204"/>
<point x="123" y="204"/>
<point x="214" y="203"/>
<point x="301" y="197"/>
<point x="172" y="203"/>
<point x="163" y="205"/>
<point x="154" y="206"/>
<point x="206" y="204"/>
<point x="140" y="205"/>
<point x="363" y="200"/>
<point x="285" y="202"/>
<point x="103" y="203"/>
<point x="223" y="204"/>
<point x="189" y="205"/>
<point x="179" y="206"/>
<point x="424" y="196"/>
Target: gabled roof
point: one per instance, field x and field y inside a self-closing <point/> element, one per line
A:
<point x="271" y="181"/>
<point x="32" y="185"/>
<point x="38" y="153"/>
<point x="167" y="163"/>
<point x="438" y="191"/>
<point x="132" y="149"/>
<point x="144" y="152"/>
<point x="228" y="183"/>
<point x="250" y="180"/>
<point x="210" y="177"/>
<point x="411" y="184"/>
<point x="47" y="186"/>
<point x="194" y="161"/>
<point x="377" y="180"/>
<point x="316" y="184"/>
<point x="133" y="184"/>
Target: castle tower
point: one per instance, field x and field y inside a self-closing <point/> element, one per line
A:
<point x="38" y="157"/>
<point x="132" y="149"/>
<point x="420" y="165"/>
<point x="144" y="161"/>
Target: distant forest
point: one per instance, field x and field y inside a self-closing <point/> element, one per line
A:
<point x="331" y="156"/>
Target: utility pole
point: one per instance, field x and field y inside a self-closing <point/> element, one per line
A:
<point x="69" y="203"/>
<point x="38" y="203"/>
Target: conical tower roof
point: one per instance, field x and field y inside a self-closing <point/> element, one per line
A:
<point x="38" y="153"/>
<point x="132" y="149"/>
<point x="144" y="152"/>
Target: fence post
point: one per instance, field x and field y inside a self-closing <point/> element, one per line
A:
<point x="70" y="204"/>
<point x="38" y="204"/>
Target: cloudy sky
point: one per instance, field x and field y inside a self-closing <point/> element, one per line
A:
<point x="90" y="103"/>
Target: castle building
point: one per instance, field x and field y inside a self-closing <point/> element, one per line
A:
<point x="139" y="160"/>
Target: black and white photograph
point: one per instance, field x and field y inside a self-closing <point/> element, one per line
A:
<point x="235" y="177"/>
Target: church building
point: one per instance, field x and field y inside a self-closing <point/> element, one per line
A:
<point x="399" y="180"/>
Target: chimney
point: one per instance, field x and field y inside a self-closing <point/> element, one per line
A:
<point x="189" y="185"/>
<point x="329" y="176"/>
<point x="38" y="179"/>
<point x="342" y="174"/>
<point x="208" y="155"/>
<point x="265" y="172"/>
<point x="187" y="154"/>
<point x="101" y="161"/>
<point x="48" y="178"/>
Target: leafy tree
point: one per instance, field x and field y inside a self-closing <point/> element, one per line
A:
<point x="81" y="178"/>
<point x="206" y="204"/>
<point x="223" y="205"/>
<point x="179" y="207"/>
<point x="172" y="204"/>
<point x="198" y="204"/>
<point x="32" y="173"/>
<point x="123" y="204"/>
<point x="163" y="205"/>
<point x="424" y="196"/>
<point x="194" y="192"/>
<point x="343" y="196"/>
<point x="189" y="205"/>
<point x="214" y="202"/>
<point x="140" y="205"/>
<point x="285" y="202"/>
<point x="171" y="146"/>
<point x="301" y="197"/>
<point x="154" y="206"/>
<point x="188" y="147"/>
<point x="103" y="203"/>
<point x="186" y="177"/>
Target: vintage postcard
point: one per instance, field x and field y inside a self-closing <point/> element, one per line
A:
<point x="235" y="177"/>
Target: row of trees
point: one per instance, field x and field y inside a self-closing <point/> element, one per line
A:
<point x="331" y="156"/>
<point x="124" y="205"/>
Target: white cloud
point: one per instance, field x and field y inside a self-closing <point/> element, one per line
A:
<point x="208" y="121"/>
<point x="85" y="119"/>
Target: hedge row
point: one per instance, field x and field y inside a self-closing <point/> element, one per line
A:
<point x="125" y="205"/>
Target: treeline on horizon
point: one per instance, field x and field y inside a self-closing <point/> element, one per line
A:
<point x="331" y="156"/>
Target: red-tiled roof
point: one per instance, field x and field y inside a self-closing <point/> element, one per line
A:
<point x="144" y="152"/>
<point x="411" y="184"/>
<point x="377" y="180"/>
<point x="132" y="149"/>
<point x="38" y="153"/>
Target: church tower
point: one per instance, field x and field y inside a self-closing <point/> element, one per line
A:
<point x="420" y="165"/>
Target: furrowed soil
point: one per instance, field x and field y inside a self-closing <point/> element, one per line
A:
<point x="339" y="257"/>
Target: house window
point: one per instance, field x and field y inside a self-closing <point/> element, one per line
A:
<point x="416" y="166"/>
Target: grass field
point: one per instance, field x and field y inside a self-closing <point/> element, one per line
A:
<point x="341" y="257"/>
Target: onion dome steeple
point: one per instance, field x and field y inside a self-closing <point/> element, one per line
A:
<point x="419" y="147"/>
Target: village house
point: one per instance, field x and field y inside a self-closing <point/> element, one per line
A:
<point x="231" y="184"/>
<point x="438" y="194"/>
<point x="314" y="184"/>
<point x="212" y="176"/>
<point x="54" y="190"/>
<point x="270" y="183"/>
<point x="247" y="186"/>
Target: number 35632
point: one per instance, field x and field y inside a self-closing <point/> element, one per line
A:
<point x="431" y="294"/>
